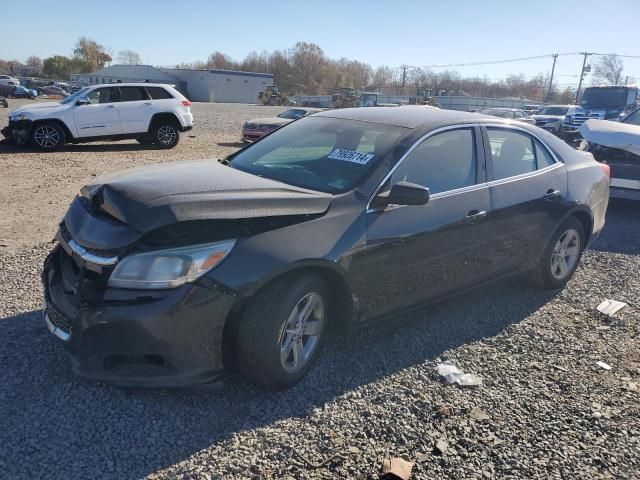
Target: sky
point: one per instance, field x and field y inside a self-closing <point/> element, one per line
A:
<point x="416" y="33"/>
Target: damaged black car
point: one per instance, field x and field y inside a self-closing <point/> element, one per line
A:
<point x="171" y="274"/>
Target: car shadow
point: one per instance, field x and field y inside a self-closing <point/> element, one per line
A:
<point x="621" y="233"/>
<point x="232" y="144"/>
<point x="8" y="148"/>
<point x="50" y="415"/>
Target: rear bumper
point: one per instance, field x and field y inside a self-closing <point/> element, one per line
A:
<point x="170" y="338"/>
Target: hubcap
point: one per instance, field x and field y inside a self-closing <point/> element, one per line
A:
<point x="565" y="254"/>
<point x="301" y="332"/>
<point x="167" y="134"/>
<point x="46" y="136"/>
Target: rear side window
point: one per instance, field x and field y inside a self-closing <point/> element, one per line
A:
<point x="158" y="93"/>
<point x="443" y="162"/>
<point x="543" y="157"/>
<point x="516" y="153"/>
<point x="132" y="94"/>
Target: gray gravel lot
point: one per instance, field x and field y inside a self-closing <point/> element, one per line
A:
<point x="552" y="413"/>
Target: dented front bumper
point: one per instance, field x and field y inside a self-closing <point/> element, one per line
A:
<point x="17" y="131"/>
<point x="163" y="338"/>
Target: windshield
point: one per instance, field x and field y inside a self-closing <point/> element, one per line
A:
<point x="319" y="153"/>
<point x="633" y="118"/>
<point x="553" y="111"/>
<point x="74" y="96"/>
<point x="606" y="97"/>
<point x="293" y="114"/>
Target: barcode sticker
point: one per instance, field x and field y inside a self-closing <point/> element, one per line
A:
<point x="351" y="156"/>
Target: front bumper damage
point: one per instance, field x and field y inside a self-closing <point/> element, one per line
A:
<point x="17" y="131"/>
<point x="162" y="338"/>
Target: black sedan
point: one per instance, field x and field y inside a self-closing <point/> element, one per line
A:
<point x="168" y="275"/>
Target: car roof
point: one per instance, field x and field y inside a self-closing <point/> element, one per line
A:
<point x="131" y="84"/>
<point x="407" y="116"/>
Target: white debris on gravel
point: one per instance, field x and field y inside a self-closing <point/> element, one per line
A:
<point x="373" y="394"/>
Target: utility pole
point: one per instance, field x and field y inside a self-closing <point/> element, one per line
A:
<point x="626" y="80"/>
<point x="404" y="78"/>
<point x="584" y="64"/>
<point x="553" y="69"/>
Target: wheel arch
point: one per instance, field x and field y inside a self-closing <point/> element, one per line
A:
<point x="57" y="121"/>
<point x="164" y="116"/>
<point x="342" y="304"/>
<point x="585" y="217"/>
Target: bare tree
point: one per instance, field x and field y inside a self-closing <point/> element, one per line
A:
<point x="33" y="61"/>
<point x="609" y="69"/>
<point x="129" y="57"/>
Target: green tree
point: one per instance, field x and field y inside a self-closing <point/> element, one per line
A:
<point x="57" y="66"/>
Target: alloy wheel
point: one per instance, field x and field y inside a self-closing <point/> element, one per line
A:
<point x="301" y="332"/>
<point x="46" y="136"/>
<point x="167" y="134"/>
<point x="565" y="254"/>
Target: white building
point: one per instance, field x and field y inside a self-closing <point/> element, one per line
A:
<point x="223" y="86"/>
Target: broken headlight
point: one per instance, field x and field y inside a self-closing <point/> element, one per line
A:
<point x="168" y="268"/>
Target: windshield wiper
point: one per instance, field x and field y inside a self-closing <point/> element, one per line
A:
<point x="225" y="161"/>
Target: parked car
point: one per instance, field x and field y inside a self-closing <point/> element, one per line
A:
<point x="150" y="113"/>
<point x="52" y="91"/>
<point x="167" y="275"/>
<point x="8" y="80"/>
<point x="531" y="109"/>
<point x="510" y="113"/>
<point x="21" y="92"/>
<point x="254" y="129"/>
<point x="3" y="102"/>
<point x="551" y="117"/>
<point x="618" y="146"/>
<point x="600" y="103"/>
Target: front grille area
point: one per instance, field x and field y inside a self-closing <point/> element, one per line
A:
<point x="579" y="118"/>
<point x="65" y="235"/>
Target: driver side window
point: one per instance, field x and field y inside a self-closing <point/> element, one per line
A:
<point x="443" y="162"/>
<point x="102" y="95"/>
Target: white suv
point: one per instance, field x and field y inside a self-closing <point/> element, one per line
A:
<point x="7" y="80"/>
<point x="153" y="114"/>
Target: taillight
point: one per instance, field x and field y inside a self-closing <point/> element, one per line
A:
<point x="186" y="103"/>
<point x="606" y="169"/>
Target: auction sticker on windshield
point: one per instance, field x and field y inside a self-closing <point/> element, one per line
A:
<point x="351" y="156"/>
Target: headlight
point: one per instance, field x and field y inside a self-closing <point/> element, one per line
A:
<point x="18" y="116"/>
<point x="168" y="268"/>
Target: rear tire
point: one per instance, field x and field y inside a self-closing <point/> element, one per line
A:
<point x="165" y="133"/>
<point x="561" y="256"/>
<point x="282" y="330"/>
<point x="47" y="137"/>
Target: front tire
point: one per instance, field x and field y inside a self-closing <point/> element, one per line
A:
<point x="48" y="137"/>
<point x="281" y="331"/>
<point x="165" y="134"/>
<point x="561" y="256"/>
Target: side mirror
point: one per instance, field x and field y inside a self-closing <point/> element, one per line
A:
<point x="83" y="101"/>
<point x="404" y="193"/>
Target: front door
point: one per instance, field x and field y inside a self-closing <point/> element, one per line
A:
<point x="418" y="253"/>
<point x="101" y="116"/>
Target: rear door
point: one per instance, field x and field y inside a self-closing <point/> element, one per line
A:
<point x="416" y="253"/>
<point x="101" y="116"/>
<point x="136" y="108"/>
<point x="527" y="193"/>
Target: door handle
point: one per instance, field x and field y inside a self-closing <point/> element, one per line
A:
<point x="551" y="195"/>
<point x="475" y="215"/>
<point x="110" y="106"/>
<point x="148" y="103"/>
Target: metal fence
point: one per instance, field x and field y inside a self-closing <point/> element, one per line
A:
<point x="462" y="103"/>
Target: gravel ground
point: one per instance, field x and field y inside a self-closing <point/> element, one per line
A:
<point x="550" y="411"/>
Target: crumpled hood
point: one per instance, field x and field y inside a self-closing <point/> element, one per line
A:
<point x="155" y="196"/>
<point x="612" y="134"/>
<point x="276" y="121"/>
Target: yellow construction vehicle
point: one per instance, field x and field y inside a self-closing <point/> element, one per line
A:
<point x="274" y="97"/>
<point x="345" y="99"/>
<point x="424" y="97"/>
